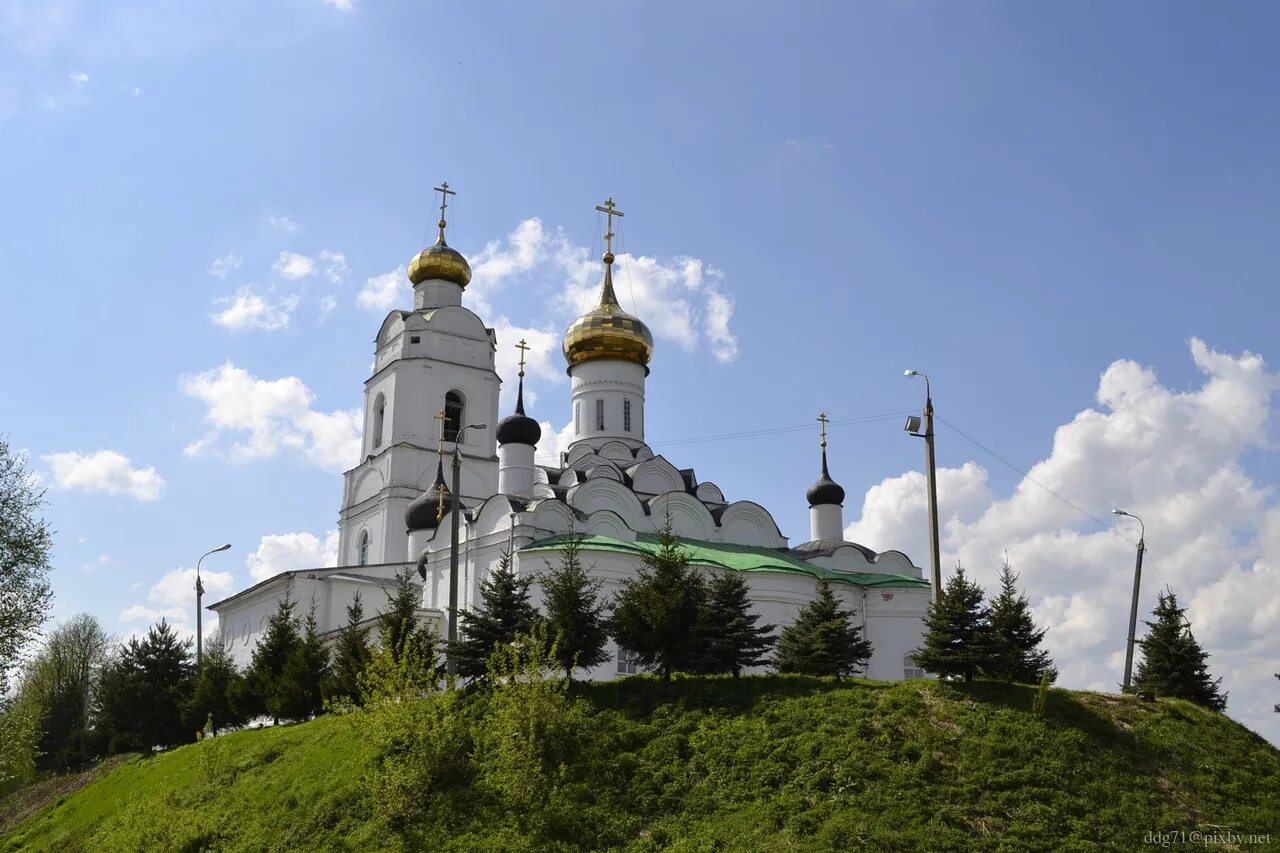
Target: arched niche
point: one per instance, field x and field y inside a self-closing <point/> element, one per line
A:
<point x="656" y="476"/>
<point x="606" y="522"/>
<point x="748" y="523"/>
<point x="595" y="495"/>
<point x="690" y="518"/>
<point x="368" y="484"/>
<point x="709" y="493"/>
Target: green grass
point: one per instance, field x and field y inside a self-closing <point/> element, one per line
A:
<point x="775" y="763"/>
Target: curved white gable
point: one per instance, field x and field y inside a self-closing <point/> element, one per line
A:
<point x="689" y="516"/>
<point x="577" y="454"/>
<point x="897" y="563"/>
<point x="606" y="522"/>
<point x="616" y="451"/>
<point x="455" y="320"/>
<point x="656" y="476"/>
<point x="493" y="515"/>
<point x="542" y="490"/>
<point x="710" y="493"/>
<point x="601" y="494"/>
<point x="551" y="515"/>
<point x="369" y="484"/>
<point x="748" y="523"/>
<point x="604" y="469"/>
<point x="390" y="327"/>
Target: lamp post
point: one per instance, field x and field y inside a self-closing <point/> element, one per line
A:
<point x="199" y="596"/>
<point x="455" y="516"/>
<point x="913" y="427"/>
<point x="1133" y="605"/>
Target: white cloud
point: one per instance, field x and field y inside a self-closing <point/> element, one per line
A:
<point x="79" y="79"/>
<point x="105" y="471"/>
<point x="542" y="360"/>
<point x="335" y="265"/>
<point x="225" y="264"/>
<point x="286" y="552"/>
<point x="291" y="265"/>
<point x="553" y="442"/>
<point x="178" y="587"/>
<point x="283" y="223"/>
<point x="1177" y="458"/>
<point x="807" y="148"/>
<point x="269" y="416"/>
<point x="248" y="310"/>
<point x="384" y="292"/>
<point x="327" y="304"/>
<point x="341" y="5"/>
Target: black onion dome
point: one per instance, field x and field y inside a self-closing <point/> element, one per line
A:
<point x="519" y="428"/>
<point x="423" y="512"/>
<point x="826" y="490"/>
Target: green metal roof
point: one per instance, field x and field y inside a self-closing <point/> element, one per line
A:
<point x="738" y="558"/>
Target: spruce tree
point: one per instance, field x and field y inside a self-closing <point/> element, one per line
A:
<point x="504" y="611"/>
<point x="351" y="653"/>
<point x="656" y="613"/>
<point x="404" y="663"/>
<point x="575" y="619"/>
<point x="307" y="671"/>
<point x="1015" y="639"/>
<point x="957" y="631"/>
<point x="272" y="655"/>
<point x="165" y="667"/>
<point x="731" y="640"/>
<point x="398" y="620"/>
<point x="823" y="640"/>
<point x="218" y="692"/>
<point x="1173" y="663"/>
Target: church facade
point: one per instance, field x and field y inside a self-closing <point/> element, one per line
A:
<point x="434" y="393"/>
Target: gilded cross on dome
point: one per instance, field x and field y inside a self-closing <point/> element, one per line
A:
<point x="440" y="416"/>
<point x="609" y="210"/>
<point x="823" y="420"/>
<point x="522" y="346"/>
<point x="445" y="192"/>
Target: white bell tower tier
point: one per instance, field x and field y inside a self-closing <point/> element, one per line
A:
<point x="437" y="359"/>
<point x="608" y="352"/>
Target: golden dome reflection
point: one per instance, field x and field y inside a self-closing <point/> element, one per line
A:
<point x="440" y="261"/>
<point x="607" y="331"/>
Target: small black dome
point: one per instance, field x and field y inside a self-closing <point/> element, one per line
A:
<point x="518" y="429"/>
<point x="826" y="490"/>
<point x="423" y="512"/>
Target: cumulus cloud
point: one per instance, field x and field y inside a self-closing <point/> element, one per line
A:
<point x="335" y="265"/>
<point x="225" y="264"/>
<point x="268" y="416"/>
<point x="173" y="599"/>
<point x="291" y="265"/>
<point x="1176" y="458"/>
<point x="105" y="471"/>
<point x="384" y="292"/>
<point x="542" y="359"/>
<point x="247" y="310"/>
<point x="341" y="5"/>
<point x="283" y="223"/>
<point x="284" y="552"/>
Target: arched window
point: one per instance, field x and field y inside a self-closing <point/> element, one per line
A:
<point x="453" y="412"/>
<point x="379" y="420"/>
<point x="364" y="548"/>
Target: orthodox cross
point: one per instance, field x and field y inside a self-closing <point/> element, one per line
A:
<point x="440" y="416"/>
<point x="610" y="211"/>
<point x="445" y="192"/>
<point x="823" y="420"/>
<point x="522" y="346"/>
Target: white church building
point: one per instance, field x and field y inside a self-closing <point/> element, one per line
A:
<point x="609" y="486"/>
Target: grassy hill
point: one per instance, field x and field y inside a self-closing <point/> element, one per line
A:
<point x="774" y="763"/>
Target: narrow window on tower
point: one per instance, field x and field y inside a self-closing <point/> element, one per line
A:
<point x="379" y="420"/>
<point x="599" y="414"/>
<point x="626" y="416"/>
<point x="453" y="411"/>
<point x="577" y="416"/>
<point x="364" y="548"/>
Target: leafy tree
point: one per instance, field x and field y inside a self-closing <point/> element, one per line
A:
<point x="218" y="694"/>
<point x="731" y="639"/>
<point x="1016" y="654"/>
<point x="59" y="684"/>
<point x="823" y="640"/>
<point x="19" y="743"/>
<point x="307" y="671"/>
<point x="957" y="631"/>
<point x="576" y="622"/>
<point x="1173" y="663"/>
<point x="26" y="542"/>
<point x="351" y="653"/>
<point x="504" y="611"/>
<point x="273" y="692"/>
<point x="656" y="613"/>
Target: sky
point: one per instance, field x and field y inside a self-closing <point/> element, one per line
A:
<point x="1065" y="214"/>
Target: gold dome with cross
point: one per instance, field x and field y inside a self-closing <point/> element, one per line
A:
<point x="439" y="260"/>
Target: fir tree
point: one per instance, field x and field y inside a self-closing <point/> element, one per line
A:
<point x="307" y="670"/>
<point x="405" y="660"/>
<point x="957" y="631"/>
<point x="823" y="640"/>
<point x="218" y="694"/>
<point x="351" y="653"/>
<point x="398" y="621"/>
<point x="656" y="613"/>
<point x="267" y="671"/>
<point x="730" y="638"/>
<point x="1015" y="639"/>
<point x="575" y="619"/>
<point x="504" y="611"/>
<point x="1173" y="663"/>
<point x="144" y="693"/>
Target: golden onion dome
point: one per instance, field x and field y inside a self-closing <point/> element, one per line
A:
<point x="440" y="261"/>
<point x="607" y="331"/>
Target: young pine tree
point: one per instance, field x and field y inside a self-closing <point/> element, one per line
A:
<point x="307" y="671"/>
<point x="218" y="691"/>
<point x="404" y="663"/>
<point x="575" y="617"/>
<point x="351" y="653"/>
<point x="504" y="611"/>
<point x="957" y="631"/>
<point x="1015" y="640"/>
<point x="731" y="640"/>
<point x="823" y="640"/>
<point x="165" y="668"/>
<point x="398" y="621"/>
<point x="1173" y="663"/>
<point x="656" y="613"/>
<point x="271" y="689"/>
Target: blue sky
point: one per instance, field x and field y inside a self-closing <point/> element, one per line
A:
<point x="1016" y="198"/>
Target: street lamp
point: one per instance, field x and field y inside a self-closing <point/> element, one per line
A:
<point x="913" y="427"/>
<point x="455" y="516"/>
<point x="199" y="595"/>
<point x="1133" y="605"/>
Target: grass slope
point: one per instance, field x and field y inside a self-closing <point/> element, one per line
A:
<point x="774" y="763"/>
